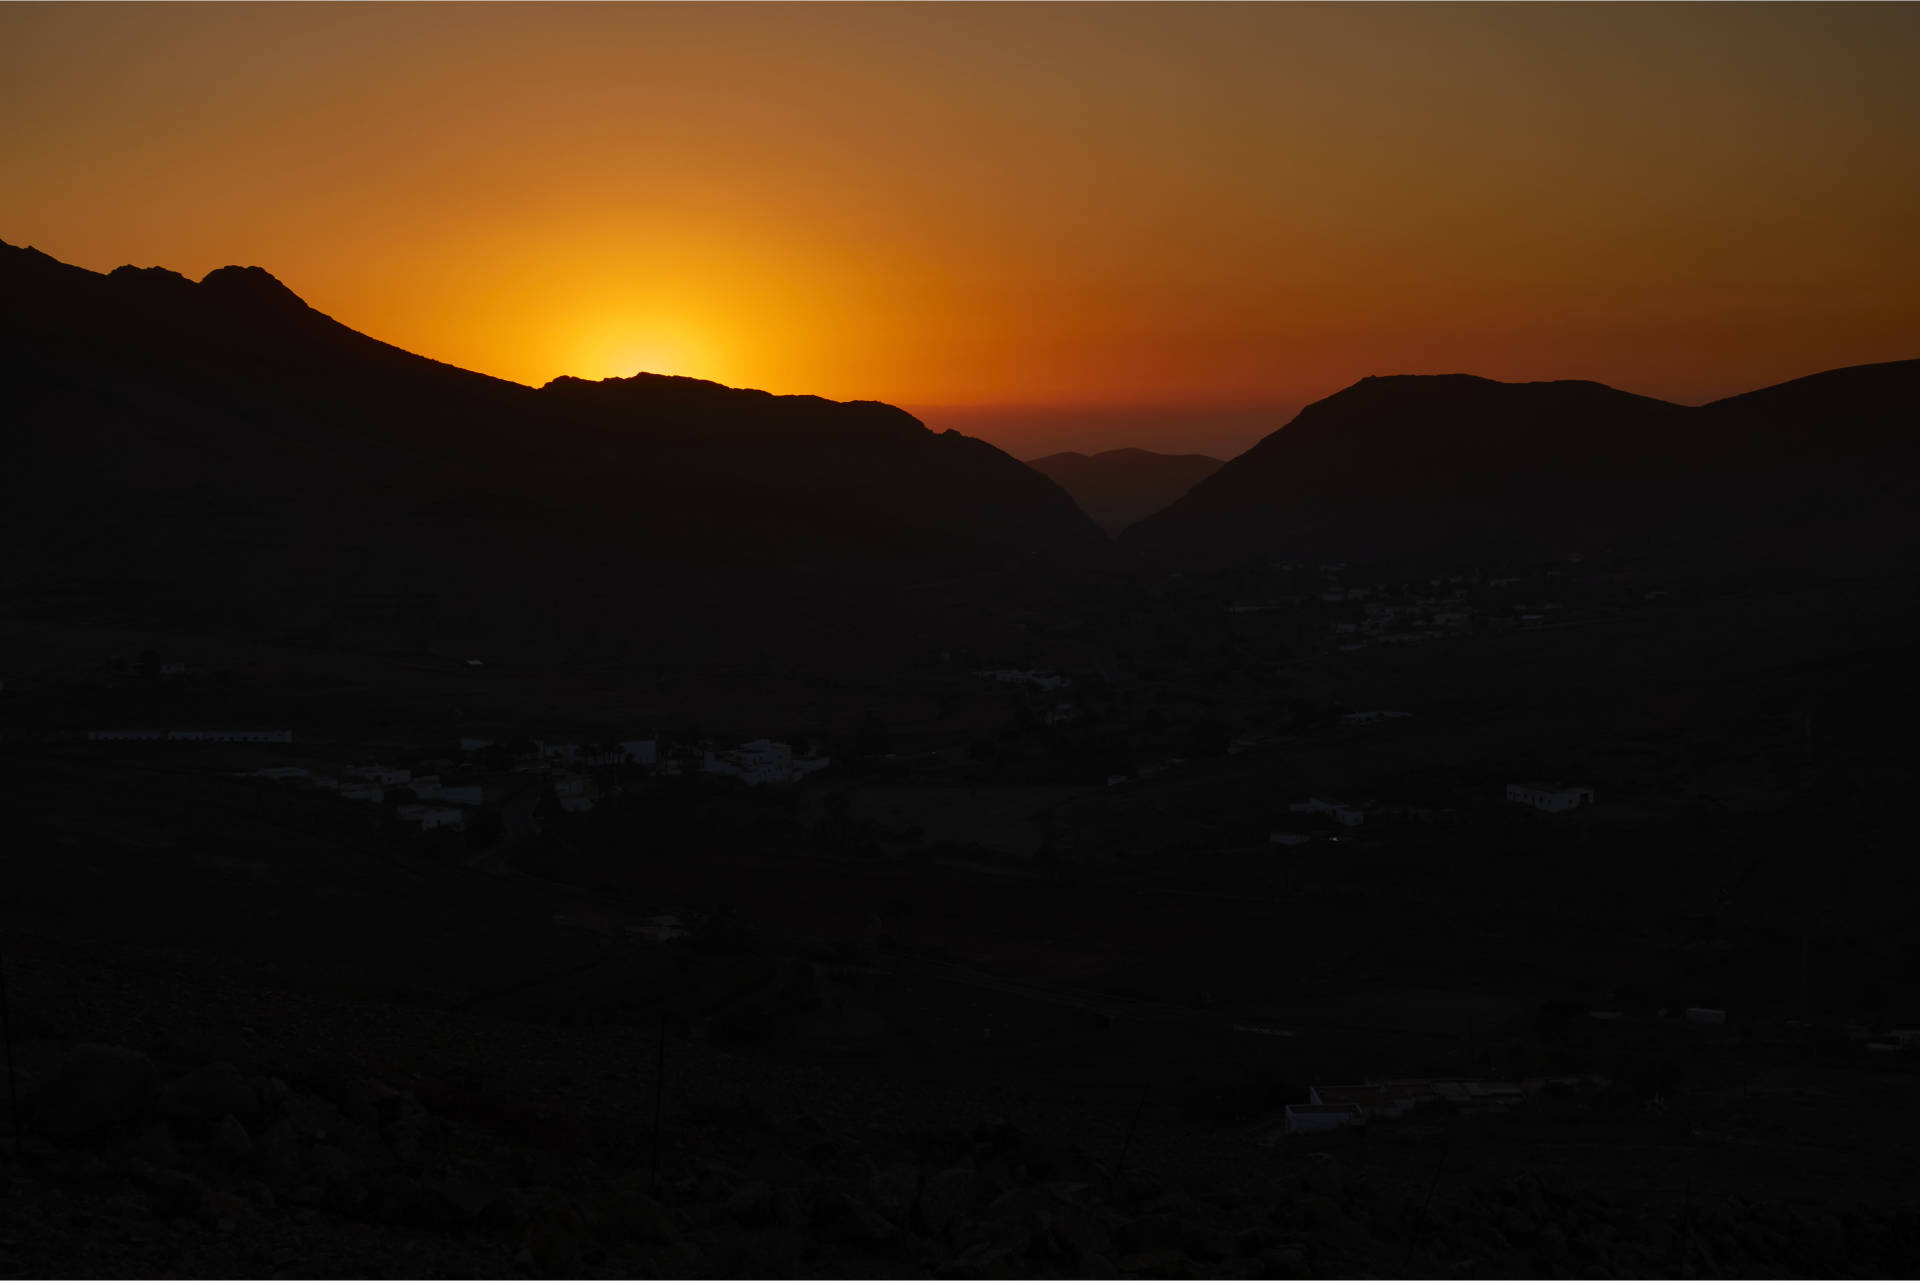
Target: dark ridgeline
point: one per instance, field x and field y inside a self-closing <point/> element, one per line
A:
<point x="1455" y="469"/>
<point x="1119" y="486"/>
<point x="220" y="452"/>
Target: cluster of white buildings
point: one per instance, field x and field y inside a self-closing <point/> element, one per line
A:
<point x="1552" y="798"/>
<point x="1336" y="1107"/>
<point x="763" y="761"/>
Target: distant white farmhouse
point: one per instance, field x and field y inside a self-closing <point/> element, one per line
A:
<point x="1554" y="798"/>
<point x="1341" y="813"/>
<point x="642" y="751"/>
<point x="1287" y="838"/>
<point x="474" y="743"/>
<point x="1319" y="1118"/>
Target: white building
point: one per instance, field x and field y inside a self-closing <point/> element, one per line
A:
<point x="1701" y="1014"/>
<point x="1287" y="838"/>
<point x="642" y="751"/>
<point x="1554" y="798"/>
<point x="385" y="775"/>
<point x="126" y="735"/>
<point x="1319" y="1118"/>
<point x="474" y="743"/>
<point x="1341" y="813"/>
<point x="761" y="761"/>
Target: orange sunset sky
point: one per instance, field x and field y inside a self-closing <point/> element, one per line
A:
<point x="1056" y="226"/>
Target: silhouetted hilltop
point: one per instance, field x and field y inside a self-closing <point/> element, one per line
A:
<point x="222" y="451"/>
<point x="1428" y="468"/>
<point x="1120" y="486"/>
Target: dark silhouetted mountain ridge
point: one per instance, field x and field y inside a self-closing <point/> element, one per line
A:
<point x="226" y="452"/>
<point x="1452" y="467"/>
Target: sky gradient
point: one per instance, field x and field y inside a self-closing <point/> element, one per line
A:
<point x="1011" y="219"/>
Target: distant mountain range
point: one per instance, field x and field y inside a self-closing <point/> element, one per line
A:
<point x="1120" y="486"/>
<point x="219" y="453"/>
<point x="1433" y="469"/>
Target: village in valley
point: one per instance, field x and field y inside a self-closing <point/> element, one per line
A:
<point x="1276" y="871"/>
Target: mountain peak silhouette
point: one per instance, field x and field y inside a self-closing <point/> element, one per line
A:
<point x="253" y="287"/>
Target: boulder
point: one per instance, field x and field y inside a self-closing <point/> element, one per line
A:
<point x="208" y="1093"/>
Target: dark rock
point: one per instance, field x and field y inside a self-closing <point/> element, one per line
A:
<point x="984" y="1260"/>
<point x="947" y="1201"/>
<point x="469" y="1192"/>
<point x="752" y="1204"/>
<point x="231" y="1140"/>
<point x="176" y="1194"/>
<point x="332" y="1166"/>
<point x="1160" y="1263"/>
<point x="211" y="1092"/>
<point x="98" y="1088"/>
<point x="853" y="1221"/>
<point x="792" y="1208"/>
<point x="630" y="1211"/>
<point x="551" y="1228"/>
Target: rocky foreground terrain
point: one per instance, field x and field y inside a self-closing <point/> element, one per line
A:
<point x="182" y="1123"/>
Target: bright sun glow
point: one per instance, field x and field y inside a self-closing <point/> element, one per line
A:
<point x="623" y="351"/>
